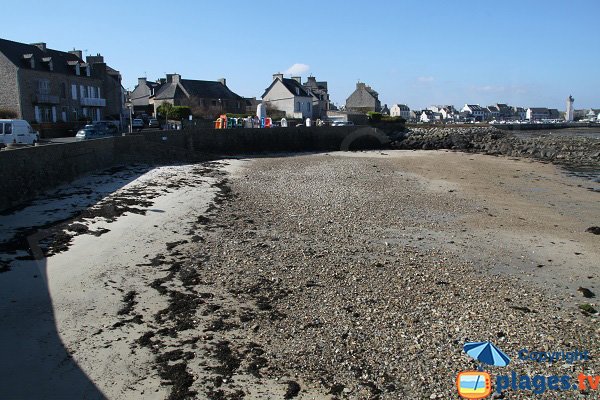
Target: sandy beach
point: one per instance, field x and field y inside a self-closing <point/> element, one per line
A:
<point x="346" y="275"/>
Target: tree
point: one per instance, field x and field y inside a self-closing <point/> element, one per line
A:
<point x="166" y="110"/>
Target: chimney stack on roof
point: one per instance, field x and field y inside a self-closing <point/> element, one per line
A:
<point x="222" y="81"/>
<point x="41" y="46"/>
<point x="174" y="78"/>
<point x="278" y="76"/>
<point x="78" y="53"/>
<point x="297" y="79"/>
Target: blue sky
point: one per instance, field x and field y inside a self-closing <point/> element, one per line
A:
<point x="529" y="53"/>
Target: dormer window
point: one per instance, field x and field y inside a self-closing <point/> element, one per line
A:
<point x="297" y="91"/>
<point x="77" y="69"/>
<point x="28" y="58"/>
<point x="87" y="70"/>
<point x="48" y="62"/>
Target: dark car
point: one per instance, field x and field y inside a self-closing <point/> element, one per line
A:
<point x="108" y="127"/>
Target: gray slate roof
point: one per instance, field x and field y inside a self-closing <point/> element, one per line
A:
<point x="61" y="61"/>
<point x="291" y="85"/>
<point x="202" y="89"/>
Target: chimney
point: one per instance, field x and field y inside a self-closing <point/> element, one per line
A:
<point x="360" y="85"/>
<point x="278" y="76"/>
<point x="297" y="79"/>
<point x="162" y="81"/>
<point x="78" y="53"/>
<point x="141" y="81"/>
<point x="174" y="78"/>
<point x="97" y="59"/>
<point x="222" y="81"/>
<point x="41" y="46"/>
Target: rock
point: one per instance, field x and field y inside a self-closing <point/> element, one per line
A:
<point x="593" y="229"/>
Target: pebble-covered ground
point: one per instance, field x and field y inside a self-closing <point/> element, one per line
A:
<point x="328" y="282"/>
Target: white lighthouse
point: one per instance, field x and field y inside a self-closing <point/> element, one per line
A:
<point x="569" y="114"/>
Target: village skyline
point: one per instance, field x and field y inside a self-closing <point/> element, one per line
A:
<point x="414" y="56"/>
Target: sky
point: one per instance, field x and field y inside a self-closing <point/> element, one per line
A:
<point x="530" y="53"/>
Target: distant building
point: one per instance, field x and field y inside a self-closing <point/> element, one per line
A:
<point x="519" y="113"/>
<point x="537" y="113"/>
<point x="429" y="116"/>
<point x="505" y="112"/>
<point x="43" y="85"/>
<point x="205" y="98"/>
<point x="400" y="110"/>
<point x="289" y="96"/>
<point x="251" y="104"/>
<point x="141" y="94"/>
<point x="474" y="111"/>
<point x="321" y="102"/>
<point x="493" y="112"/>
<point x="447" y="112"/>
<point x="363" y="99"/>
<point x="385" y="110"/>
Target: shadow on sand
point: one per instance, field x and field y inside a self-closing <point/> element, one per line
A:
<point x="35" y="362"/>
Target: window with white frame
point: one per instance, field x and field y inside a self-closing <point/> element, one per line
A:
<point x="74" y="92"/>
<point x="43" y="86"/>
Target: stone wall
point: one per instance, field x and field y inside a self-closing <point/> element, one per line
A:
<point x="29" y="171"/>
<point x="9" y="91"/>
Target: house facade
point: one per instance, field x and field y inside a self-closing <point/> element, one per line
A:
<point x="321" y="102"/>
<point x="141" y="94"/>
<point x="206" y="99"/>
<point x="42" y="85"/>
<point x="400" y="110"/>
<point x="289" y="96"/>
<point x="363" y="99"/>
<point x="537" y="113"/>
<point x="474" y="111"/>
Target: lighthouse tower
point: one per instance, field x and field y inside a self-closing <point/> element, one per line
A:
<point x="569" y="114"/>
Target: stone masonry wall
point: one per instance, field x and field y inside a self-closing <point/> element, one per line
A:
<point x="9" y="92"/>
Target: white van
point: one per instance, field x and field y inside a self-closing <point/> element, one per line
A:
<point x="17" y="131"/>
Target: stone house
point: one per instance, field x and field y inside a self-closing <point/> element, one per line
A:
<point x="43" y="85"/>
<point x="537" y="113"/>
<point x="321" y="102"/>
<point x="363" y="99"/>
<point x="493" y="111"/>
<point x="141" y="94"/>
<point x="505" y="112"/>
<point x="474" y="111"/>
<point x="288" y="95"/>
<point x="206" y="99"/>
<point x="429" y="116"/>
<point x="400" y="110"/>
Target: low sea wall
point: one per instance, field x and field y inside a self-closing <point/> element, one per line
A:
<point x="28" y="171"/>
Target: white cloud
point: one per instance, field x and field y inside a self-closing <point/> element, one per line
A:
<point x="425" y="79"/>
<point x="297" y="69"/>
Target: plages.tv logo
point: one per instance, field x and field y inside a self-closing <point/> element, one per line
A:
<point x="478" y="384"/>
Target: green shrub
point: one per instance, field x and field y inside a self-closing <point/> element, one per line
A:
<point x="374" y="116"/>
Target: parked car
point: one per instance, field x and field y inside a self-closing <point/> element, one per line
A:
<point x="17" y="131"/>
<point x="107" y="126"/>
<point x="153" y="123"/>
<point x="88" y="132"/>
<point x="342" y="123"/>
<point x="137" y="124"/>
